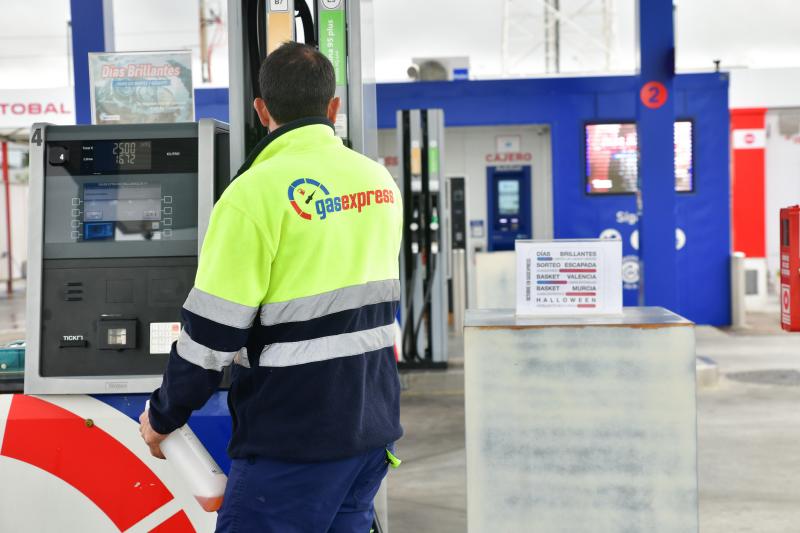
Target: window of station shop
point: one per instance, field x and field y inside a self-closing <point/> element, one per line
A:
<point x="612" y="158"/>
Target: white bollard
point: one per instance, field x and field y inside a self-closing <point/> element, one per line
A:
<point x="738" y="291"/>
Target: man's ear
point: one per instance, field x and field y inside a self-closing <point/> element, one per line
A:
<point x="263" y="113"/>
<point x="333" y="108"/>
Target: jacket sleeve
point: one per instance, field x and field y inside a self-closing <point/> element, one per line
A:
<point x="232" y="279"/>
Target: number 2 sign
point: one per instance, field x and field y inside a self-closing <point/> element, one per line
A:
<point x="654" y="94"/>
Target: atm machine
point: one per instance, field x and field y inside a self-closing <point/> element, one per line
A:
<point x="508" y="191"/>
<point x="117" y="218"/>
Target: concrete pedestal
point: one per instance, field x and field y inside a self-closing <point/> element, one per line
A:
<point x="581" y="424"/>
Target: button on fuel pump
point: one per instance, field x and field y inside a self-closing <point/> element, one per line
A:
<point x="117" y="333"/>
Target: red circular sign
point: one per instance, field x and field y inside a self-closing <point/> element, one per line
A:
<point x="786" y="300"/>
<point x="749" y="138"/>
<point x="653" y="94"/>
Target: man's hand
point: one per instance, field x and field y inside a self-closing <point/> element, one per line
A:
<point x="151" y="438"/>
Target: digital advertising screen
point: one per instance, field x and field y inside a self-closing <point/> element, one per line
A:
<point x="612" y="158"/>
<point x="684" y="160"/>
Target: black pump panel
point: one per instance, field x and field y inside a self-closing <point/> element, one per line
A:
<point x="123" y="211"/>
<point x="87" y="302"/>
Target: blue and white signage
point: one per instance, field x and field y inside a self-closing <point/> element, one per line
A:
<point x="569" y="277"/>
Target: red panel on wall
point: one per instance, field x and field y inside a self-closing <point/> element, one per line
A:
<point x="749" y="231"/>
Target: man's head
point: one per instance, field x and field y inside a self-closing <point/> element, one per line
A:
<point x="296" y="82"/>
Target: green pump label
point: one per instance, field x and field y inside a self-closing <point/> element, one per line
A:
<point x="333" y="44"/>
<point x="433" y="159"/>
<point x="332" y="41"/>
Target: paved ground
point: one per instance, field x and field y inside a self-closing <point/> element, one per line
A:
<point x="749" y="435"/>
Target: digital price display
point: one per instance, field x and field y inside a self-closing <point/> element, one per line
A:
<point x="612" y="158"/>
<point x="133" y="155"/>
<point x="108" y="156"/>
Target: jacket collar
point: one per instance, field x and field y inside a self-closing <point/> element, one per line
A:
<point x="255" y="154"/>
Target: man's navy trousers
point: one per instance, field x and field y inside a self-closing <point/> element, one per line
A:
<point x="268" y="496"/>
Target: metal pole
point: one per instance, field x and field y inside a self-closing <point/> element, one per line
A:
<point x="506" y="36"/>
<point x="557" y="37"/>
<point x="6" y="186"/>
<point x="205" y="68"/>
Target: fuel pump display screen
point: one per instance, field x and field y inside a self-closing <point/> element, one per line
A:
<point x="121" y="211"/>
<point x="121" y="202"/>
<point x="508" y="197"/>
<point x="612" y="158"/>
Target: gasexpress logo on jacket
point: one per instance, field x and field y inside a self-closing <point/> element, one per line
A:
<point x="309" y="197"/>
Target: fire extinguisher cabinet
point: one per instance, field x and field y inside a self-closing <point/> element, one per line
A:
<point x="790" y="268"/>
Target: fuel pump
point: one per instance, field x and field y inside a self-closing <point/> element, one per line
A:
<point x="117" y="218"/>
<point x="790" y="268"/>
<point x="424" y="263"/>
<point x="457" y="217"/>
<point x="342" y="29"/>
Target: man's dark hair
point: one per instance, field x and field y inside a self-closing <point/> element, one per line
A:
<point x="296" y="81"/>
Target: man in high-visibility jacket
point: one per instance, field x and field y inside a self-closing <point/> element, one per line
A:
<point x="297" y="287"/>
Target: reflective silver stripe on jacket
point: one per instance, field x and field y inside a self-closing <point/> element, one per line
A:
<point x="220" y="310"/>
<point x="325" y="348"/>
<point x="202" y="356"/>
<point x="310" y="307"/>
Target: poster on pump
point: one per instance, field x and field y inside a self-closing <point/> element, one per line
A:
<point x="141" y="87"/>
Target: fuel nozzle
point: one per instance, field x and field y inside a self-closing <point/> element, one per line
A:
<point x="434" y="231"/>
<point x="413" y="228"/>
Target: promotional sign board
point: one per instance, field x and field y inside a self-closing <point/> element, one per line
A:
<point x="20" y="108"/>
<point x="141" y="87"/>
<point x="569" y="277"/>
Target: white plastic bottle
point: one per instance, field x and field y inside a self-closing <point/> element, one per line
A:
<point x="205" y="478"/>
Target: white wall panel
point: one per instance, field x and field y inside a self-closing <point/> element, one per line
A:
<point x="782" y="176"/>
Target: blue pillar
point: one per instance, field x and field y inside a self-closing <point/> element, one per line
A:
<point x="91" y="32"/>
<point x="655" y="120"/>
